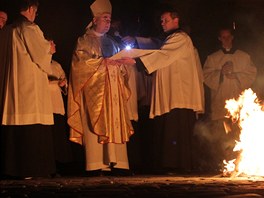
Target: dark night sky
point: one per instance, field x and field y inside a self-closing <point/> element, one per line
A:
<point x="65" y="20"/>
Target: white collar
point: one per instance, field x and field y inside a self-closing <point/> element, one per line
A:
<point x="97" y="33"/>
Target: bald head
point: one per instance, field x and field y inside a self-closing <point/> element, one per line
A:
<point x="3" y="19"/>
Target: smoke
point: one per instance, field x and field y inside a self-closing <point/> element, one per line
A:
<point x="214" y="144"/>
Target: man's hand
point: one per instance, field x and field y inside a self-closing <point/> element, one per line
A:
<point x="228" y="71"/>
<point x="126" y="61"/>
<point x="62" y="82"/>
<point x="111" y="62"/>
<point x="227" y="68"/>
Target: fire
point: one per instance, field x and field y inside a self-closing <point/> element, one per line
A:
<point x="248" y="112"/>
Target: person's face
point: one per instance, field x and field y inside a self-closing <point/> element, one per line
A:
<point x="32" y="13"/>
<point x="102" y="23"/>
<point x="226" y="38"/>
<point x="3" y="19"/>
<point x="168" y="23"/>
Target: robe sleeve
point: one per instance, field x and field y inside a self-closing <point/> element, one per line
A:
<point x="170" y="51"/>
<point x="211" y="74"/>
<point x="38" y="47"/>
<point x="247" y="76"/>
<point x="82" y="69"/>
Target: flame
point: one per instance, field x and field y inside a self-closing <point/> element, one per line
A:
<point x="248" y="112"/>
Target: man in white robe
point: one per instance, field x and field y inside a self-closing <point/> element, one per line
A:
<point x="177" y="94"/>
<point x="227" y="72"/>
<point x="26" y="108"/>
<point x="58" y="85"/>
<point x="98" y="94"/>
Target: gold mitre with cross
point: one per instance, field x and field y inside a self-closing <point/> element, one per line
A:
<point x="101" y="6"/>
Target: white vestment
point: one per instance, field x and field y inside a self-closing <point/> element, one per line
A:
<point x="27" y="98"/>
<point x="176" y="81"/>
<point x="225" y="89"/>
<point x="97" y="103"/>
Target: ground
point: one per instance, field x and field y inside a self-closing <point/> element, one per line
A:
<point x="135" y="186"/>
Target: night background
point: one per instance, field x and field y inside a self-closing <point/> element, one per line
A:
<point x="65" y="20"/>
